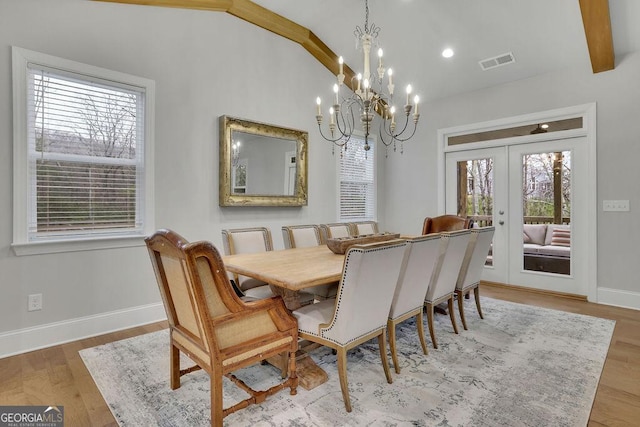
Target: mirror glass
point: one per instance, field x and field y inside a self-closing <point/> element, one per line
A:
<point x="261" y="164"/>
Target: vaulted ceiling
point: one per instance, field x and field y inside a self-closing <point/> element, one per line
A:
<point x="542" y="35"/>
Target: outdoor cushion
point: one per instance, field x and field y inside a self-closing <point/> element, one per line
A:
<point x="557" y="251"/>
<point x="561" y="237"/>
<point x="551" y="228"/>
<point x="535" y="232"/>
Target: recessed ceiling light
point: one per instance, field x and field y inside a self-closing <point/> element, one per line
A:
<point x="447" y="53"/>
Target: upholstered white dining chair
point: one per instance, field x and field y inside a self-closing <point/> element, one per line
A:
<point x="247" y="241"/>
<point x="301" y="236"/>
<point x="304" y="236"/>
<point x="443" y="281"/>
<point x="335" y="230"/>
<point x="364" y="227"/>
<point x="360" y="311"/>
<point x="420" y="259"/>
<point x="472" y="266"/>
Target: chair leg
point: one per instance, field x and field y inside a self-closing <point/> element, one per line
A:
<point x="284" y="364"/>
<point x="476" y="293"/>
<point x="217" y="411"/>
<point x="391" y="327"/>
<point x="452" y="314"/>
<point x="420" y="324"/>
<point x="174" y="358"/>
<point x="342" y="373"/>
<point x="382" y="339"/>
<point x="461" y="310"/>
<point x="430" y="321"/>
<point x="293" y="376"/>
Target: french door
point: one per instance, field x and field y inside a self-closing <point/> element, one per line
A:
<point x="527" y="191"/>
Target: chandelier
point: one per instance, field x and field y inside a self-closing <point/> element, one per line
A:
<point x="367" y="99"/>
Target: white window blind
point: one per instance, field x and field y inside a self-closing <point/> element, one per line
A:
<point x="357" y="182"/>
<point x="85" y="141"/>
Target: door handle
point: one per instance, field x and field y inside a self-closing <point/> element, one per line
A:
<point x="501" y="222"/>
<point x="501" y="212"/>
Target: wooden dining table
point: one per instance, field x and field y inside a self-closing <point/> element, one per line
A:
<point x="288" y="272"/>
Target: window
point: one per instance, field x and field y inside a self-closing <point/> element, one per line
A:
<point x="357" y="182"/>
<point x="82" y="169"/>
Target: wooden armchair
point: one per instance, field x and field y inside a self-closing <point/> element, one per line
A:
<point x="445" y="223"/>
<point x="212" y="326"/>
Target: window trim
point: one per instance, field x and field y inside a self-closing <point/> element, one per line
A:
<point x="372" y="141"/>
<point x="21" y="244"/>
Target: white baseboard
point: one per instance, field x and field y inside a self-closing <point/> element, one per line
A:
<point x="29" y="339"/>
<point x="619" y="298"/>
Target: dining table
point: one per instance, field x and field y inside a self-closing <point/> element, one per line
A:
<point x="289" y="271"/>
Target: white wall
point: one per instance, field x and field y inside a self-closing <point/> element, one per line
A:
<point x="617" y="95"/>
<point x="205" y="64"/>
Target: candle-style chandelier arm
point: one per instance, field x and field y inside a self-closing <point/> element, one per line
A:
<point x="391" y="129"/>
<point x="338" y="121"/>
<point x="340" y="140"/>
<point x="397" y="137"/>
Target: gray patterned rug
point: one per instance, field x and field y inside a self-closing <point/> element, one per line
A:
<point x="521" y="366"/>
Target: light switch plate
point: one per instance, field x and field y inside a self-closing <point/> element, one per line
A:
<point x="615" y="205"/>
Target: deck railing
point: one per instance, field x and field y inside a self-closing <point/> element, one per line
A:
<point x="487" y="220"/>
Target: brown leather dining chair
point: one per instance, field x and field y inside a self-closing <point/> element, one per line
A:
<point x="441" y="223"/>
<point x="211" y="325"/>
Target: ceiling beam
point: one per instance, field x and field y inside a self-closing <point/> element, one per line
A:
<point x="264" y="18"/>
<point x="597" y="28"/>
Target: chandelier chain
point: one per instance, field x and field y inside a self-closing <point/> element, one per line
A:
<point x="366" y="16"/>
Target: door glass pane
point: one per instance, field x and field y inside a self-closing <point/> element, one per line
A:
<point x="546" y="206"/>
<point x="475" y="193"/>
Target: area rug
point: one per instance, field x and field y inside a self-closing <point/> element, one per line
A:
<point x="520" y="366"/>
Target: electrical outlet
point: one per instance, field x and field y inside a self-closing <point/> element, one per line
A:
<point x="615" y="205"/>
<point x="35" y="302"/>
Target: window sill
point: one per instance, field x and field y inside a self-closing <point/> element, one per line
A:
<point x="75" y="245"/>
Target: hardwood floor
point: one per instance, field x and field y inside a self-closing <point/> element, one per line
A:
<point x="57" y="375"/>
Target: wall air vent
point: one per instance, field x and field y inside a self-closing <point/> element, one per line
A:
<point x="497" y="61"/>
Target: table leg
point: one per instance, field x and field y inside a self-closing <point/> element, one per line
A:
<point x="291" y="298"/>
<point x="310" y="375"/>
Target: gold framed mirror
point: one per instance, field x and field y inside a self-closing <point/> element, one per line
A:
<point x="261" y="164"/>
